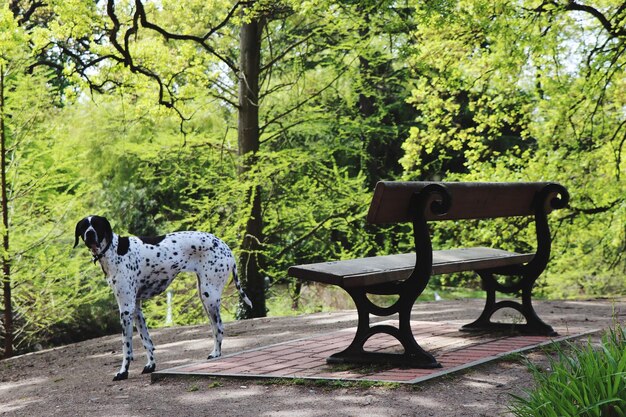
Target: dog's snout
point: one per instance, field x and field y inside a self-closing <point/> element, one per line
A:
<point x="90" y="238"/>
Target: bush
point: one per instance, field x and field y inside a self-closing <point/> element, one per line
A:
<point x="584" y="381"/>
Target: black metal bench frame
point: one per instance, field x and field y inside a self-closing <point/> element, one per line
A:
<point x="434" y="202"/>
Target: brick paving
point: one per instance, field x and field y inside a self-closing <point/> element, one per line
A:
<point x="306" y="358"/>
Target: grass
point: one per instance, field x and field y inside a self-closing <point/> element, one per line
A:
<point x="329" y="384"/>
<point x="514" y="357"/>
<point x="583" y="380"/>
<point x="193" y="388"/>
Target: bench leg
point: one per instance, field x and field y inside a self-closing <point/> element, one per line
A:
<point x="534" y="325"/>
<point x="413" y="357"/>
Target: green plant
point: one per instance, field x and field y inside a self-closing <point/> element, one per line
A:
<point x="329" y="384"/>
<point x="583" y="381"/>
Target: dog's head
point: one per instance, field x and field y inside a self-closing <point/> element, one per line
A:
<point x="93" y="230"/>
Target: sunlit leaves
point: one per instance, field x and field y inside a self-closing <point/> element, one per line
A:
<point x="515" y="91"/>
<point x="43" y="193"/>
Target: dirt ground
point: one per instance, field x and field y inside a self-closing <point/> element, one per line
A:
<point x="76" y="380"/>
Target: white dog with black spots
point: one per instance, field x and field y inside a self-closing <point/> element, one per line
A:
<point x="138" y="268"/>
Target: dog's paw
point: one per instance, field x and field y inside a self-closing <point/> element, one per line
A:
<point x="148" y="369"/>
<point x="213" y="356"/>
<point x="121" y="376"/>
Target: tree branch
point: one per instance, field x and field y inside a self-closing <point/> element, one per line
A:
<point x="575" y="211"/>
<point x="285" y="52"/>
<point x="201" y="40"/>
<point x="614" y="30"/>
<point x="303" y="102"/>
<point x="618" y="150"/>
<point x="26" y="15"/>
<point x="311" y="232"/>
<point x="127" y="58"/>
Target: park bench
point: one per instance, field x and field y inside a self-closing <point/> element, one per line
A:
<point x="406" y="275"/>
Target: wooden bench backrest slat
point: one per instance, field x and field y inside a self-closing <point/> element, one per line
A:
<point x="391" y="200"/>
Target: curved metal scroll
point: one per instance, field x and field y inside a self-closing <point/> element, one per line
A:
<point x="551" y="197"/>
<point x="435" y="199"/>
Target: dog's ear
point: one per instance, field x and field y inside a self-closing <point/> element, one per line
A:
<point x="81" y="226"/>
<point x="108" y="231"/>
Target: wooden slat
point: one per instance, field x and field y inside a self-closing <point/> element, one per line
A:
<point x="380" y="269"/>
<point x="470" y="200"/>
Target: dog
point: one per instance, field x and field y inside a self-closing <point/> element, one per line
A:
<point x="138" y="268"/>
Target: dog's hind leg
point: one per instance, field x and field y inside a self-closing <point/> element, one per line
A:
<point x="142" y="328"/>
<point x="211" y="301"/>
<point x="126" y="319"/>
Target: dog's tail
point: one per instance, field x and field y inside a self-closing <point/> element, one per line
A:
<point x="244" y="297"/>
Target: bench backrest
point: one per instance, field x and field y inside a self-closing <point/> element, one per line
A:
<point x="469" y="200"/>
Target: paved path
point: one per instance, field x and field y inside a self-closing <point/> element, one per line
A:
<point x="305" y="358"/>
<point x="75" y="380"/>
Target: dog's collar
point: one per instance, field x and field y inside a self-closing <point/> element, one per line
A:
<point x="99" y="256"/>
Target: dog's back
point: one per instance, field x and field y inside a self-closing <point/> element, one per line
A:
<point x="157" y="260"/>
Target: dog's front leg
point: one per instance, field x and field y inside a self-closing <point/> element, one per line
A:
<point x="126" y="319"/>
<point x="140" y="322"/>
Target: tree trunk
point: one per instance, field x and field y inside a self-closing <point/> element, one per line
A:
<point x="248" y="136"/>
<point x="6" y="261"/>
<point x="367" y="106"/>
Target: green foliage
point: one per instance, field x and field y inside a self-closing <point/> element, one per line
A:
<point x="351" y="92"/>
<point x="509" y="92"/>
<point x="581" y="381"/>
<point x="49" y="290"/>
<point x="465" y="63"/>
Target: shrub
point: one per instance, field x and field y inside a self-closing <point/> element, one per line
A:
<point x="584" y="381"/>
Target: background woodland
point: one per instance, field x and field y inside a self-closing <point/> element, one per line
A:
<point x="268" y="123"/>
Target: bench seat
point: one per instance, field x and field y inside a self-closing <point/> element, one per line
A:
<point x="361" y="272"/>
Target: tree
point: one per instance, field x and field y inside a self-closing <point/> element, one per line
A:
<point x="39" y="193"/>
<point x="252" y="17"/>
<point x="249" y="144"/>
<point x="13" y="60"/>
<point x="6" y="266"/>
<point x="526" y="91"/>
<point x="288" y="34"/>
